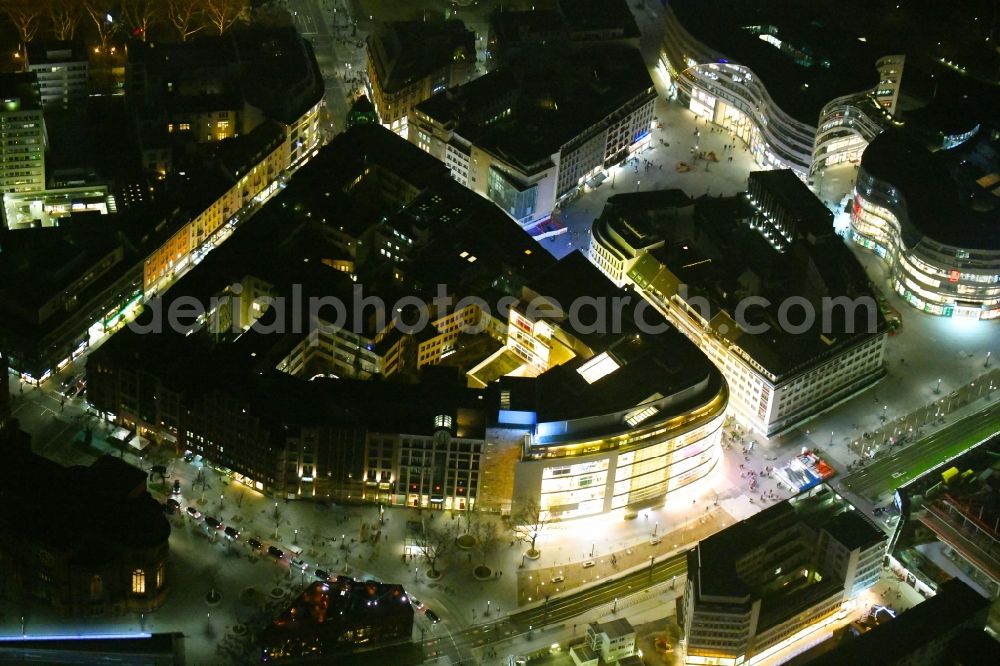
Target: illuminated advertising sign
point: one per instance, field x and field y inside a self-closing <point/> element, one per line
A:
<point x="953" y="276"/>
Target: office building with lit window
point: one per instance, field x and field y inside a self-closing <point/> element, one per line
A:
<point x="932" y="214"/>
<point x="61" y="68"/>
<point x="408" y="61"/>
<point x="726" y="271"/>
<point x="776" y="578"/>
<point x="23" y="139"/>
<point x="108" y="555"/>
<point x="531" y="138"/>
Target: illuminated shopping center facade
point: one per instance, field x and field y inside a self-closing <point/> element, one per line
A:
<point x="803" y="129"/>
<point x="933" y="217"/>
<point x="732" y="96"/>
<point x="619" y="429"/>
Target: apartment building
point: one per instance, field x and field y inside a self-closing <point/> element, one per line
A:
<point x="61" y="68"/>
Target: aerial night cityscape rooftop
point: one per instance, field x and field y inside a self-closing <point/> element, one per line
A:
<point x="500" y="332"/>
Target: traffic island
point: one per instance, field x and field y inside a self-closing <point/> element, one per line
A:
<point x="432" y="574"/>
<point x="482" y="572"/>
<point x="213" y="598"/>
<point x="533" y="554"/>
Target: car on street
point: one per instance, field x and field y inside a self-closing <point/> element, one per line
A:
<point x="432" y="616"/>
<point x="188" y="456"/>
<point x="321" y="575"/>
<point x="655" y="541"/>
<point x="416" y="603"/>
<point x="174" y="505"/>
<point x="558" y="579"/>
<point x="176" y="490"/>
<point x="193" y="512"/>
<point x="299" y="563"/>
<point x="276" y="553"/>
<point x="588" y="564"/>
<point x="232" y="532"/>
<point x="253" y="543"/>
<point x="212" y="522"/>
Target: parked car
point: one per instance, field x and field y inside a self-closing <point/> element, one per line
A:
<point x="276" y="553"/>
<point x="232" y="533"/>
<point x="176" y="490"/>
<point x="299" y="563"/>
<point x="253" y="543"/>
<point x="194" y="513"/>
<point x="174" y="505"/>
<point x="188" y="456"/>
<point x="212" y="522"/>
<point x="416" y="603"/>
<point x="432" y="616"/>
<point x="321" y="575"/>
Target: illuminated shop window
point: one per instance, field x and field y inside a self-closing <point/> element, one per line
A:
<point x="138" y="581"/>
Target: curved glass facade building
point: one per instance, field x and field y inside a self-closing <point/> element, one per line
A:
<point x="849" y="123"/>
<point x="934" y="218"/>
<point x="733" y="96"/>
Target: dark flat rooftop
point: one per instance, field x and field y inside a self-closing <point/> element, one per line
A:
<point x="117" y="510"/>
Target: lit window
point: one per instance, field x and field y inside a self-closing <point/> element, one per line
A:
<point x="442" y="421"/>
<point x="138" y="581"/>
<point x="222" y="124"/>
<point x="640" y="415"/>
<point x="184" y="127"/>
<point x="597" y="367"/>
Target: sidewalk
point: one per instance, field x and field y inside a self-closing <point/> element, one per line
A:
<point x="537" y="582"/>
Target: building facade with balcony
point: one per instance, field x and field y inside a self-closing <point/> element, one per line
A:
<point x="23" y="139"/>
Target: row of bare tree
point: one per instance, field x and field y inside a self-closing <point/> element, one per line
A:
<point x="61" y="18"/>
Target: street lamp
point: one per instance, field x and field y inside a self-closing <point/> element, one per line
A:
<point x="295" y="539"/>
<point x="885" y="409"/>
<point x="937" y="389"/>
<point x="637" y="186"/>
